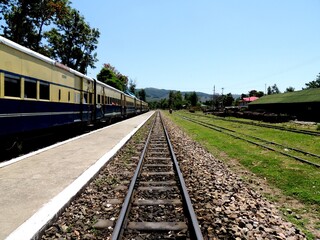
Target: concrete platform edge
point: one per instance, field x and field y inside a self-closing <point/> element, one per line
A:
<point x="33" y="227"/>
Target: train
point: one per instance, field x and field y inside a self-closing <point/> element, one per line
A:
<point x="38" y="94"/>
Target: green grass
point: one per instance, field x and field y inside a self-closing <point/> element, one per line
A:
<point x="292" y="177"/>
<point x="307" y="95"/>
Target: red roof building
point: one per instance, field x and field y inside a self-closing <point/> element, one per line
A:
<point x="245" y="101"/>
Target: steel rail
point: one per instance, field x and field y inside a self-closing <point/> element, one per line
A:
<point x="220" y="129"/>
<point x="263" y="140"/>
<point x="313" y="133"/>
<point x="117" y="232"/>
<point x="194" y="228"/>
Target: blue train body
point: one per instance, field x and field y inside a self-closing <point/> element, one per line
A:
<point x="37" y="93"/>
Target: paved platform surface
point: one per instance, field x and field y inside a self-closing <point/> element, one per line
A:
<point x="35" y="187"/>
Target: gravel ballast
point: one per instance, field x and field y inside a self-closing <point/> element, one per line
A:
<point x="226" y="207"/>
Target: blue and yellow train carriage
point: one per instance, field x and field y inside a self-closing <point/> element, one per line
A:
<point x="130" y="105"/>
<point x="110" y="102"/>
<point x="38" y="93"/>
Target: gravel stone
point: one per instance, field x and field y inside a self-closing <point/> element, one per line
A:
<point x="226" y="207"/>
<point x="236" y="211"/>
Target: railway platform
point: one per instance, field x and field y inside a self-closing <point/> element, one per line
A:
<point x="35" y="187"/>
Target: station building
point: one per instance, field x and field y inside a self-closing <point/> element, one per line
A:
<point x="303" y="105"/>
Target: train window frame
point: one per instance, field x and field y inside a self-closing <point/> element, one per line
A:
<point x="12" y="86"/>
<point x="90" y="98"/>
<point x="76" y="97"/>
<point x="30" y="88"/>
<point x="44" y="89"/>
<point x="59" y="95"/>
<point x="69" y="96"/>
<point x="85" y="98"/>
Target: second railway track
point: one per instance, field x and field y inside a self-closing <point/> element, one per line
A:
<point x="261" y="142"/>
<point x="157" y="205"/>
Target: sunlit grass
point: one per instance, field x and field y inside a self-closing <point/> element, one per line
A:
<point x="292" y="177"/>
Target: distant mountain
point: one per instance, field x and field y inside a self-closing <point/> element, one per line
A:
<point x="155" y="94"/>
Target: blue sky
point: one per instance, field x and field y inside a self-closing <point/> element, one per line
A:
<point x="194" y="45"/>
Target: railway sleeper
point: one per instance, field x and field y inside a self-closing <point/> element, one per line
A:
<point x="157" y="226"/>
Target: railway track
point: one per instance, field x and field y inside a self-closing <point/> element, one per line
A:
<point x="157" y="205"/>
<point x="307" y="132"/>
<point x="262" y="143"/>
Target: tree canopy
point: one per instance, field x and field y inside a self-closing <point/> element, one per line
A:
<point x="111" y="76"/>
<point x="273" y="90"/>
<point x="314" y="84"/>
<point x="289" y="89"/>
<point x="73" y="42"/>
<point x="191" y="98"/>
<point x="142" y="95"/>
<point x="175" y="100"/>
<point x="52" y="28"/>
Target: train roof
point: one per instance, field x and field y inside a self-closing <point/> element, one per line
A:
<point x="54" y="63"/>
<point x="41" y="57"/>
<point x="302" y="96"/>
<point x="26" y="50"/>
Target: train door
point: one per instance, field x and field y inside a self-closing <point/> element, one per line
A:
<point x="85" y="101"/>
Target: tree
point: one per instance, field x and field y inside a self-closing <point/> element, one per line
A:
<point x="73" y="42"/>
<point x="243" y="95"/>
<point x="171" y="99"/>
<point x="175" y="100"/>
<point x="273" y="90"/>
<point x="260" y="94"/>
<point x="45" y="12"/>
<point x="70" y="40"/>
<point x="25" y="20"/>
<point x="290" y="89"/>
<point x="178" y="100"/>
<point x="19" y="27"/>
<point x="109" y="75"/>
<point x="314" y="84"/>
<point x="193" y="99"/>
<point x="142" y="95"/>
<point x="132" y="86"/>
<point x="228" y="100"/>
<point x="255" y="93"/>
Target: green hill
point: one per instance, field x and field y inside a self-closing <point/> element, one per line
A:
<point x="155" y="94"/>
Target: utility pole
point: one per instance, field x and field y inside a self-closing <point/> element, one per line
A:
<point x="265" y="89"/>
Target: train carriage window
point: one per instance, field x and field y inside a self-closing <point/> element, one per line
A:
<point x="69" y="96"/>
<point x="85" y="97"/>
<point x="76" y="98"/>
<point x="90" y="98"/>
<point x="12" y="86"/>
<point x="44" y="91"/>
<point x="30" y="88"/>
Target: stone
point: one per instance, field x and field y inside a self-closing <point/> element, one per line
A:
<point x="103" y="223"/>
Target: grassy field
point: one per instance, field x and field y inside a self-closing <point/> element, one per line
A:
<point x="293" y="178"/>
